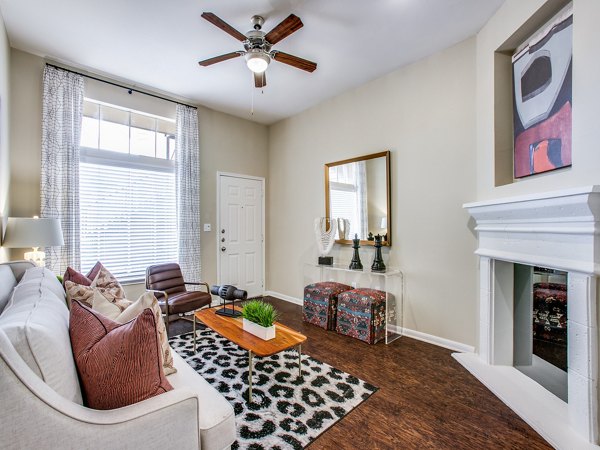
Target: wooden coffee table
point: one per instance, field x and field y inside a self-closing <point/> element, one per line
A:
<point x="231" y="329"/>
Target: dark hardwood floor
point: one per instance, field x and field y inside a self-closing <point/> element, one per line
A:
<point x="426" y="399"/>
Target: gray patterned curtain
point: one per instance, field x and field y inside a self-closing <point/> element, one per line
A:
<point x="188" y="192"/>
<point x="61" y="130"/>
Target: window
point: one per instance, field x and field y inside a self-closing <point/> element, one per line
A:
<point x="127" y="190"/>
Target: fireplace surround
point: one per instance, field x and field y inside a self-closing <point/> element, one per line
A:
<point x="560" y="230"/>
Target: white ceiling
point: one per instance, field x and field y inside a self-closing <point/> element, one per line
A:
<point x="158" y="43"/>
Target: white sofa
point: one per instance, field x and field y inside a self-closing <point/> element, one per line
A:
<point x="41" y="397"/>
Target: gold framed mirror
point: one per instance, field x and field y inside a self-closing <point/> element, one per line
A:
<point x="358" y="191"/>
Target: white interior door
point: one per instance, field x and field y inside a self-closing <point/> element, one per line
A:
<point x="240" y="233"/>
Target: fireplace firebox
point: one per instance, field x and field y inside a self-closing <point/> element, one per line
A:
<point x="540" y="328"/>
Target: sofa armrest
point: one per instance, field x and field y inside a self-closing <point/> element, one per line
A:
<point x="35" y="413"/>
<point x="167" y="402"/>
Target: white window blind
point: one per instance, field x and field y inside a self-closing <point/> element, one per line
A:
<point x="344" y="205"/>
<point x="128" y="219"/>
<point x="127" y="193"/>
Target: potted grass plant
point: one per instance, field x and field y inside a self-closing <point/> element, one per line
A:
<point x="258" y="318"/>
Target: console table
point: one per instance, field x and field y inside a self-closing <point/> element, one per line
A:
<point x="391" y="282"/>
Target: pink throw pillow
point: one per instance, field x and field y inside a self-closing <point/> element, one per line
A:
<point x="118" y="364"/>
<point x="79" y="278"/>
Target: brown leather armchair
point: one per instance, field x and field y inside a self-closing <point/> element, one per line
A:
<point x="167" y="284"/>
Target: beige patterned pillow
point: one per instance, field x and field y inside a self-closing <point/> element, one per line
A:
<point x="146" y="301"/>
<point x="105" y="283"/>
<point x="85" y="294"/>
<point x="106" y="280"/>
<point x="107" y="308"/>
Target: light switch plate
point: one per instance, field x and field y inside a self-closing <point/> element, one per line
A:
<point x="207" y="227"/>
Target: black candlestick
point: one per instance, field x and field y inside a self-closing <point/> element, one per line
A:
<point x="355" y="264"/>
<point x="378" y="265"/>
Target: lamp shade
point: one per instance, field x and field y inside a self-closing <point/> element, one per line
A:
<point x="22" y="232"/>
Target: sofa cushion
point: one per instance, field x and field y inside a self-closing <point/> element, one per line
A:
<point x="118" y="364"/>
<point x="146" y="300"/>
<point x="7" y="283"/>
<point x="48" y="280"/>
<point x="216" y="419"/>
<point x="37" y="323"/>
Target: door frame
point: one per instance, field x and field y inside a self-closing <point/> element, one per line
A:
<point x="218" y="231"/>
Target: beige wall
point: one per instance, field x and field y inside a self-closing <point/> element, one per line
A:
<point x="586" y="98"/>
<point x="25" y="134"/>
<point x="227" y="144"/>
<point x="424" y="114"/>
<point x="4" y="132"/>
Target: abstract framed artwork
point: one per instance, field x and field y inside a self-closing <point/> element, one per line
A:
<point x="542" y="98"/>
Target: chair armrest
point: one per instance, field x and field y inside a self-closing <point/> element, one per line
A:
<point x="164" y="293"/>
<point x="199" y="284"/>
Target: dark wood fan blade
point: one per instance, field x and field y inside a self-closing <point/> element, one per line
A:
<point x="220" y="23"/>
<point x="216" y="59"/>
<point x="295" y="61"/>
<point x="260" y="80"/>
<point x="287" y="26"/>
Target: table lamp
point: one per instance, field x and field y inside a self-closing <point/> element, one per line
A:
<point x="22" y="232"/>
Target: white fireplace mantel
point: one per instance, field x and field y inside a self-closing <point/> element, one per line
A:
<point x="559" y="230"/>
<point x="555" y="229"/>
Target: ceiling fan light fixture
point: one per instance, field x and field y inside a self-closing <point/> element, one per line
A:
<point x="257" y="61"/>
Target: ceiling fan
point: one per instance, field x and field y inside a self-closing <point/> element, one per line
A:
<point x="257" y="46"/>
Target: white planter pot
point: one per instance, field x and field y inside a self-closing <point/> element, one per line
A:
<point x="265" y="333"/>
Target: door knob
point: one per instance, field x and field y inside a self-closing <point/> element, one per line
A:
<point x="223" y="249"/>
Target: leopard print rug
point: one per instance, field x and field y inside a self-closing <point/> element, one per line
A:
<point x="288" y="411"/>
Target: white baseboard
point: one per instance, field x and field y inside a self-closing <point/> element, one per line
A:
<point x="439" y="341"/>
<point x="429" y="338"/>
<point x="287" y="298"/>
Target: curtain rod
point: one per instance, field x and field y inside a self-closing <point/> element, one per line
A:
<point x="129" y="89"/>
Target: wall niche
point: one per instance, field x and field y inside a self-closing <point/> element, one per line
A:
<point x="503" y="92"/>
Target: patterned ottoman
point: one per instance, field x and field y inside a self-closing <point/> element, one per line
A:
<point x="320" y="303"/>
<point x="361" y="314"/>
